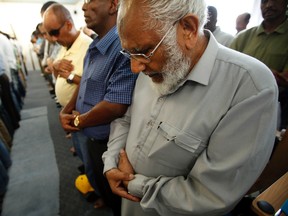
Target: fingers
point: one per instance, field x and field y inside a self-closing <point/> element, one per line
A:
<point x="117" y="175"/>
<point x="124" y="163"/>
<point x="115" y="178"/>
<point x="128" y="196"/>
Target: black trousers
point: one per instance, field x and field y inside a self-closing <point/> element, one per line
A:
<point x="7" y="100"/>
<point x="96" y="148"/>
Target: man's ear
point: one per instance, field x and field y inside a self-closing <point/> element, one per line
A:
<point x="114" y="6"/>
<point x="189" y="30"/>
<point x="69" y="24"/>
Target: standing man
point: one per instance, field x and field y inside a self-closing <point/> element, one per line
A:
<point x="268" y="43"/>
<point x="104" y="93"/>
<point x="68" y="65"/>
<point x="242" y="21"/>
<point x="222" y="37"/>
<point x="201" y="126"/>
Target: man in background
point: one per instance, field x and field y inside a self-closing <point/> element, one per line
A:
<point x="104" y="94"/>
<point x="242" y="21"/>
<point x="222" y="37"/>
<point x="268" y="43"/>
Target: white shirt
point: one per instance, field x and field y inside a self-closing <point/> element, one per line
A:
<point x="222" y="37"/>
<point x="9" y="55"/>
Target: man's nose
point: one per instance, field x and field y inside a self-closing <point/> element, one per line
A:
<point x="137" y="66"/>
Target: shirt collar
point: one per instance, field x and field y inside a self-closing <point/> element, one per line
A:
<point x="281" y="29"/>
<point x="202" y="70"/>
<point x="104" y="43"/>
<point x="76" y="46"/>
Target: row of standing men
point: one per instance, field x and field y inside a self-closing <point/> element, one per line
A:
<point x="95" y="86"/>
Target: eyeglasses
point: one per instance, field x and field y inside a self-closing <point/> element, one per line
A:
<point x="141" y="57"/>
<point x="55" y="32"/>
<point x="87" y="1"/>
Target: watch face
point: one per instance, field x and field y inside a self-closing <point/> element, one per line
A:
<point x="76" y="121"/>
<point x="69" y="81"/>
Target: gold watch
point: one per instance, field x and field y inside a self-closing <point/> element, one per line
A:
<point x="76" y="121"/>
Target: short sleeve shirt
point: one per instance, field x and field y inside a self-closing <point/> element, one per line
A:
<point x="107" y="76"/>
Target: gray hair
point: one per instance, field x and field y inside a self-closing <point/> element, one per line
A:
<point x="166" y="12"/>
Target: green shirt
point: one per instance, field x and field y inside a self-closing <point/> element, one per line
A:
<point x="270" y="48"/>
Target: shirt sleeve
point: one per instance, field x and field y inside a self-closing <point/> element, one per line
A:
<point x="121" y="83"/>
<point x="236" y="154"/>
<point x="118" y="135"/>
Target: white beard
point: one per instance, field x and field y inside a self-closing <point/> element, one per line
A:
<point x="174" y="71"/>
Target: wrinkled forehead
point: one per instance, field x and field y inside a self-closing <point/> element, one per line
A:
<point x="132" y="17"/>
<point x="133" y="31"/>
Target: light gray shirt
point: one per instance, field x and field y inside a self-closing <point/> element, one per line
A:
<point x="198" y="150"/>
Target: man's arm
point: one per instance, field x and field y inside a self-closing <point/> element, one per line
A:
<point x="102" y="113"/>
<point x="66" y="115"/>
<point x="236" y="154"/>
<point x="114" y="174"/>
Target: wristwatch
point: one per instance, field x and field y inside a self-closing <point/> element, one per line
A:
<point x="76" y="121"/>
<point x="70" y="78"/>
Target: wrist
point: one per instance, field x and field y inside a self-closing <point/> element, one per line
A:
<point x="70" y="78"/>
<point x="76" y="121"/>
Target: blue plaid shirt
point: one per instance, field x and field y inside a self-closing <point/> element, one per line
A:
<point x="106" y="76"/>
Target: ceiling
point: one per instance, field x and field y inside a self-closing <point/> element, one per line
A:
<point x="42" y="1"/>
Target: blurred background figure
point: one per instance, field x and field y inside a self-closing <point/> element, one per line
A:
<point x="242" y="21"/>
<point x="222" y="37"/>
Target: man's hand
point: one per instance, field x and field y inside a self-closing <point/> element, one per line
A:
<point x="119" y="178"/>
<point x="115" y="178"/>
<point x="63" y="67"/>
<point x="124" y="165"/>
<point x="66" y="121"/>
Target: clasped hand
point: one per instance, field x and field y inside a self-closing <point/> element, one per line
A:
<point x="119" y="178"/>
<point x="67" y="121"/>
<point x="64" y="67"/>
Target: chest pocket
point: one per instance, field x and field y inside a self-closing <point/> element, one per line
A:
<point x="176" y="148"/>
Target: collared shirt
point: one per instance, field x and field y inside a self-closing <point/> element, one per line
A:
<point x="9" y="55"/>
<point x="4" y="67"/>
<point x="107" y="76"/>
<point x="222" y="37"/>
<point x="198" y="150"/>
<point x="270" y="48"/>
<point x="76" y="54"/>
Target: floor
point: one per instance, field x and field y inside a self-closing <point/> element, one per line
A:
<point x="72" y="202"/>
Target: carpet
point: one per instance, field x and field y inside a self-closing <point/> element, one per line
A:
<point x="33" y="187"/>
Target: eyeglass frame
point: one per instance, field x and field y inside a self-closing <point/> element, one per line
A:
<point x="146" y="57"/>
<point x="55" y="32"/>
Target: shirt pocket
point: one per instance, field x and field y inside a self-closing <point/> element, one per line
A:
<point x="176" y="148"/>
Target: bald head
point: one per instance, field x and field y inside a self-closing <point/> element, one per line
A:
<point x="58" y="12"/>
<point x="59" y="25"/>
<point x="242" y="21"/>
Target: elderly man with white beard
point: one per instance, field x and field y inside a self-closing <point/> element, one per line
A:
<point x="202" y="122"/>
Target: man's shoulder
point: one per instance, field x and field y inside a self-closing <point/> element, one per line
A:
<point x="84" y="39"/>
<point x="246" y="66"/>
